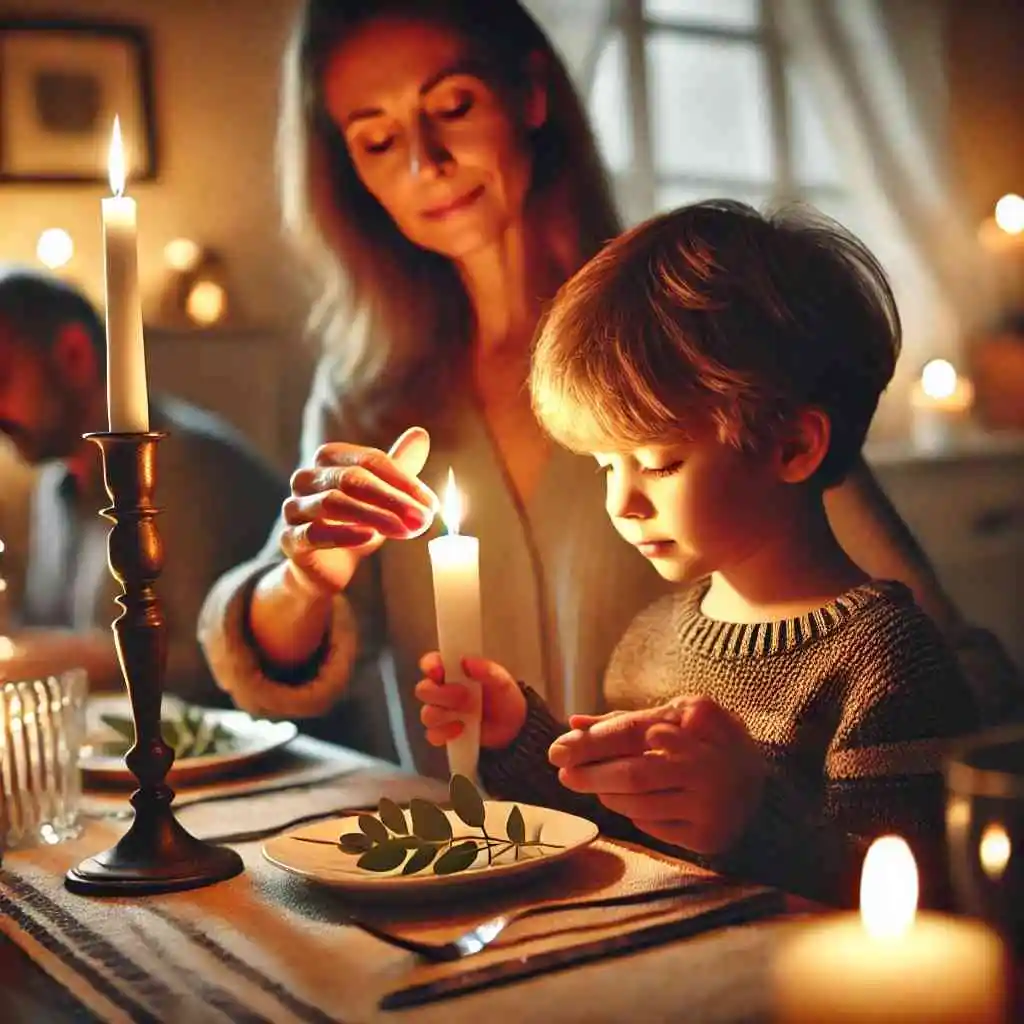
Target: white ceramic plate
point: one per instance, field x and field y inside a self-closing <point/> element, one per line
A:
<point x="254" y="738"/>
<point x="329" y="865"/>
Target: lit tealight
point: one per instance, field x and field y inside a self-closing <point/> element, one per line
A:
<point x="206" y="303"/>
<point x="888" y="889"/>
<point x="1009" y="213"/>
<point x="994" y="851"/>
<point x="939" y="379"/>
<point x="55" y="248"/>
<point x="182" y="254"/>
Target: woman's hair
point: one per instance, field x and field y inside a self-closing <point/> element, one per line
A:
<point x="388" y="310"/>
<point x="717" y="317"/>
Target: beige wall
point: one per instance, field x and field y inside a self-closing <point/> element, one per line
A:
<point x="215" y="77"/>
<point x="986" y="40"/>
<point x="215" y="74"/>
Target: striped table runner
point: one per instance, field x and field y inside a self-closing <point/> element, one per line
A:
<point x="268" y="947"/>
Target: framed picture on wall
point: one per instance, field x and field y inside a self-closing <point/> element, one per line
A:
<point x="61" y="84"/>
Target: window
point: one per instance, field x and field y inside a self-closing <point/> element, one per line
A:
<point x="692" y="99"/>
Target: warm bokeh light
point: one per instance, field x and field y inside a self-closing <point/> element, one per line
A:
<point x="888" y="888"/>
<point x="939" y="379"/>
<point x="115" y="161"/>
<point x="451" y="505"/>
<point x="54" y="248"/>
<point x="7" y="648"/>
<point x="1009" y="213"/>
<point x="206" y="303"/>
<point x="994" y="851"/>
<point x="182" y="254"/>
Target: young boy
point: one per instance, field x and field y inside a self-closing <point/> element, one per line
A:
<point x="781" y="709"/>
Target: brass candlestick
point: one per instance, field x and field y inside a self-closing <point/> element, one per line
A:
<point x="156" y="854"/>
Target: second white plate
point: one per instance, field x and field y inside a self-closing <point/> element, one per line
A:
<point x="253" y="739"/>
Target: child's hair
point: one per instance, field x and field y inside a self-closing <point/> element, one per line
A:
<point x="716" y="316"/>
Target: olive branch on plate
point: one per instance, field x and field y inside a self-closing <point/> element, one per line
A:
<point x="188" y="730"/>
<point x="389" y="839"/>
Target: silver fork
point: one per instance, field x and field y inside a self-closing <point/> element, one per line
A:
<point x="484" y="934"/>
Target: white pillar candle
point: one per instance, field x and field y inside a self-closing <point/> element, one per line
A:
<point x="127" y="399"/>
<point x="455" y="560"/>
<point x="890" y="963"/>
<point x="940" y="406"/>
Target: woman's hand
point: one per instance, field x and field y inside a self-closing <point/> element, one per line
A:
<point x="503" y="706"/>
<point x="687" y="772"/>
<point x="350" y="502"/>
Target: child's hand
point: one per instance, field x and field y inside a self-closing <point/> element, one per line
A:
<point x="503" y="710"/>
<point x="686" y="772"/>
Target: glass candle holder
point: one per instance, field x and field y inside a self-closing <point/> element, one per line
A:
<point x="42" y="728"/>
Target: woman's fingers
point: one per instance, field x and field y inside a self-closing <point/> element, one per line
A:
<point x="319" y="536"/>
<point x="398" y="470"/>
<point x="339" y="507"/>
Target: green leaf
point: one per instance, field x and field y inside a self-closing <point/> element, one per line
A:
<point x="516" y="827"/>
<point x="122" y="726"/>
<point x="458" y="858"/>
<point x="383" y="857"/>
<point x="393" y="816"/>
<point x="423" y="857"/>
<point x="355" y="842"/>
<point x="429" y="821"/>
<point x="466" y="801"/>
<point x="373" y="827"/>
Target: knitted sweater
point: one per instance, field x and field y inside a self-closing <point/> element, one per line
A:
<point x="850" y="704"/>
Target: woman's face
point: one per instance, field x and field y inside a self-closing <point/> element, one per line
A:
<point x="431" y="136"/>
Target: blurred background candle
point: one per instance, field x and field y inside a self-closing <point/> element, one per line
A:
<point x="890" y="963"/>
<point x="455" y="560"/>
<point x="940" y="404"/>
<point x="127" y="399"/>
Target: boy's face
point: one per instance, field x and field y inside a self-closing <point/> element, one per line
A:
<point x="691" y="508"/>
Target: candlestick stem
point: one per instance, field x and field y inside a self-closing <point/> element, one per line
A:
<point x="156" y="854"/>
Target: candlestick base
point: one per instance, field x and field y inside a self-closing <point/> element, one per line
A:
<point x="156" y="854"/>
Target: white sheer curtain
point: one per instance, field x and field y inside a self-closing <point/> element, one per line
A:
<point x="576" y="27"/>
<point x="877" y="68"/>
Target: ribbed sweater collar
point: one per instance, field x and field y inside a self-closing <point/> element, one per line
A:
<point x="718" y="639"/>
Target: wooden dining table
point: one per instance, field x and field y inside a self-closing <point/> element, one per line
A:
<point x="267" y="946"/>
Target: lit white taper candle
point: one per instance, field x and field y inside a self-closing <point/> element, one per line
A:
<point x="127" y="398"/>
<point x="455" y="559"/>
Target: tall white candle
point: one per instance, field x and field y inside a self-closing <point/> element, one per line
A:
<point x="127" y="398"/>
<point x="891" y="963"/>
<point x="456" y="566"/>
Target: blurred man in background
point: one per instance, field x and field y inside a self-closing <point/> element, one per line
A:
<point x="218" y="495"/>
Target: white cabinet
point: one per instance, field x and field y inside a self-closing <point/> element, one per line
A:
<point x="966" y="508"/>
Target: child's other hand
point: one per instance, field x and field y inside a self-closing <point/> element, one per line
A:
<point x="503" y="710"/>
<point x="686" y="772"/>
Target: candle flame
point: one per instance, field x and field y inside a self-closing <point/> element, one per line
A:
<point x="994" y="851"/>
<point x="939" y="379"/>
<point x="115" y="160"/>
<point x="451" y="505"/>
<point x="888" y="888"/>
<point x="1009" y="214"/>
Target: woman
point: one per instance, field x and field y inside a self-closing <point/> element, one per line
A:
<point x="439" y="170"/>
